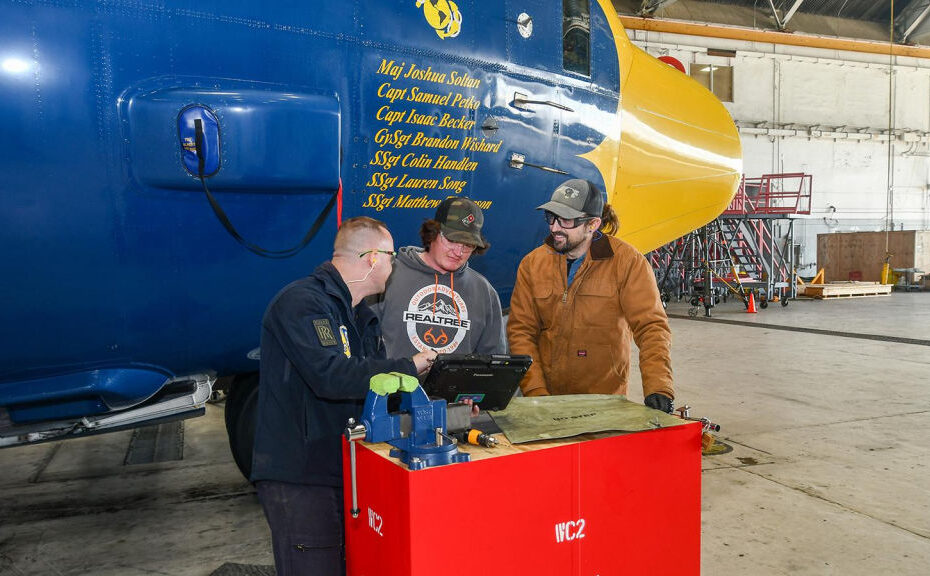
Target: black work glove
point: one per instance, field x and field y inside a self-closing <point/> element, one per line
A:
<point x="659" y="402"/>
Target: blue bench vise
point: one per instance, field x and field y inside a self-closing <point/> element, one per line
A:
<point x="418" y="431"/>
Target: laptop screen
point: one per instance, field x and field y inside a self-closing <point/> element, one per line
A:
<point x="490" y="380"/>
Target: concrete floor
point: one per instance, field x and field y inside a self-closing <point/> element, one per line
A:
<point x="828" y="472"/>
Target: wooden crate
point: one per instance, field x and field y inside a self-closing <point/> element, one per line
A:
<point x="860" y="255"/>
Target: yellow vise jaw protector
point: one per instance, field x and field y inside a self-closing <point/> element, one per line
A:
<point x="384" y="384"/>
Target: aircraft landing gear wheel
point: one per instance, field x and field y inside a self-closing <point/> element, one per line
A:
<point x="241" y="412"/>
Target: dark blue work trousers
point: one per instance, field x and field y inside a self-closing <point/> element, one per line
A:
<point x="307" y="528"/>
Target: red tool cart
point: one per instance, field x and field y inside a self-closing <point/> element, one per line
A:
<point x="600" y="505"/>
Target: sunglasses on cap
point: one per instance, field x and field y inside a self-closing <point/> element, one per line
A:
<point x="565" y="223"/>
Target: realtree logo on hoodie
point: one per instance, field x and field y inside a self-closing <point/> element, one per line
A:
<point x="437" y="319"/>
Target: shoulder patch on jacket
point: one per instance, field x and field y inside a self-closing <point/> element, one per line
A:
<point x="324" y="331"/>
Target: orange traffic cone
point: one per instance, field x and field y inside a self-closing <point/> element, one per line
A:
<point x="751" y="309"/>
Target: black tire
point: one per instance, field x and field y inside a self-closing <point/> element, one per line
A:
<point x="763" y="304"/>
<point x="784" y="302"/>
<point x="241" y="411"/>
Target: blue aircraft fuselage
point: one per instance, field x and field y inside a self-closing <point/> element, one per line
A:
<point x="118" y="274"/>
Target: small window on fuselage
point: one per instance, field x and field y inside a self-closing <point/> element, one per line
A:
<point x="576" y="37"/>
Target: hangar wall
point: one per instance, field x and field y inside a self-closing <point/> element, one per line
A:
<point x="827" y="113"/>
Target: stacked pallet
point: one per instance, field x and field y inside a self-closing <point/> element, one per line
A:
<point x="844" y="289"/>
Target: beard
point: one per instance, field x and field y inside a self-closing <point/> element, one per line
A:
<point x="561" y="243"/>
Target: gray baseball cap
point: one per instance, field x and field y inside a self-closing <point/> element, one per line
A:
<point x="461" y="220"/>
<point x="575" y="199"/>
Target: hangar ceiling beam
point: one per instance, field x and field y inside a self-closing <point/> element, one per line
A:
<point x="649" y="7"/>
<point x="775" y="14"/>
<point x="783" y="23"/>
<point x="797" y="4"/>
<point x="903" y="19"/>
<point x="771" y="37"/>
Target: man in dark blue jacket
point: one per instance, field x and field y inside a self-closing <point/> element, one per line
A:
<point x="320" y="346"/>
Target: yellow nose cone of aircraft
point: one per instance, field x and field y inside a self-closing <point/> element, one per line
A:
<point x="680" y="159"/>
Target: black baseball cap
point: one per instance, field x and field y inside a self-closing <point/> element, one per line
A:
<point x="460" y="220"/>
<point x="575" y="199"/>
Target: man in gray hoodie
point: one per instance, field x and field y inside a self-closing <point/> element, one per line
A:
<point x="433" y="299"/>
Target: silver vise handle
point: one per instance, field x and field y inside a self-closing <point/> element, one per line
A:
<point x="354" y="432"/>
<point x="443" y="439"/>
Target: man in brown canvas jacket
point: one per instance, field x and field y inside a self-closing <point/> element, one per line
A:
<point x="578" y="300"/>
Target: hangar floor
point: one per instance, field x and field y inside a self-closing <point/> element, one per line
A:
<point x="825" y="403"/>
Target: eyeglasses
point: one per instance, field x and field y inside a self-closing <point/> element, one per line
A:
<point x="565" y="223"/>
<point x="391" y="253"/>
<point x="463" y="246"/>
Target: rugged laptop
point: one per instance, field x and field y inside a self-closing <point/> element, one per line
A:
<point x="489" y="379"/>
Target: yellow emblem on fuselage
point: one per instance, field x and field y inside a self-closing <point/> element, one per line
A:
<point x="443" y="16"/>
